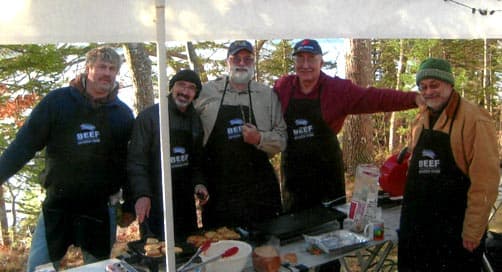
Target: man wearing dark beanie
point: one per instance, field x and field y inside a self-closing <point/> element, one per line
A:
<point x="452" y="179"/>
<point x="144" y="161"/>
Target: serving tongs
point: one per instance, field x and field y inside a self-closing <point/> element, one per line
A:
<point x="227" y="253"/>
<point x="201" y="249"/>
<point x="334" y="202"/>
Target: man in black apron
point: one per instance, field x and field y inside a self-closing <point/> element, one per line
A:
<point x="144" y="161"/>
<point x="85" y="129"/>
<point x="315" y="106"/>
<point x="452" y="180"/>
<point x="243" y="128"/>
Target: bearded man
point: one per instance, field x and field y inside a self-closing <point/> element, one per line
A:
<point x="243" y="127"/>
<point x="144" y="161"/>
<point x="84" y="129"/>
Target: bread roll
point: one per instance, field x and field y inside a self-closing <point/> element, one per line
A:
<point x="152" y="241"/>
<point x="150" y="247"/>
<point x="153" y="253"/>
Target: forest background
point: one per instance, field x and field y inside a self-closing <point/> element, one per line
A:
<point x="29" y="72"/>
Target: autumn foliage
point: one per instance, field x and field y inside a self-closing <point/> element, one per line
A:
<point x="14" y="107"/>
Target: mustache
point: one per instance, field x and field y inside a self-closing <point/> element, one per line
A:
<point x="107" y="78"/>
<point x="183" y="96"/>
<point x="240" y="69"/>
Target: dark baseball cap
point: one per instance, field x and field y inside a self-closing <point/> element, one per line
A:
<point x="239" y="45"/>
<point x="307" y="45"/>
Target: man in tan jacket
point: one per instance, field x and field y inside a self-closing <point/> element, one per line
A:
<point x="452" y="178"/>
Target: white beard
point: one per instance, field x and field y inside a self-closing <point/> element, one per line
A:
<point x="241" y="77"/>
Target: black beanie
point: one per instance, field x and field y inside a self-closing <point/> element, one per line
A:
<point x="186" y="75"/>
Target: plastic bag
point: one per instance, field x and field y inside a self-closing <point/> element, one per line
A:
<point x="363" y="206"/>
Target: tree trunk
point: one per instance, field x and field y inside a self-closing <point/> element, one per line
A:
<point x="141" y="71"/>
<point x="392" y="121"/>
<point x="195" y="63"/>
<point x="357" y="131"/>
<point x="258" y="46"/>
<point x="4" y="226"/>
<point x="13" y="212"/>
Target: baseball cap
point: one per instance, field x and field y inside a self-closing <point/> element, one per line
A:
<point x="239" y="45"/>
<point x="307" y="45"/>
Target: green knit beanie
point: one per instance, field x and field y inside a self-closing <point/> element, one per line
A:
<point x="435" y="68"/>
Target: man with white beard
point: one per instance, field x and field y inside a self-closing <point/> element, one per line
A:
<point x="243" y="127"/>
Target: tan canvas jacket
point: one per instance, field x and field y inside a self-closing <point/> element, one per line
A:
<point x="474" y="147"/>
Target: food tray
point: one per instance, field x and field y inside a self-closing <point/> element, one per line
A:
<point x="337" y="241"/>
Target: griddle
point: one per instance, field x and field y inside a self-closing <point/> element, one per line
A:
<point x="137" y="247"/>
<point x="290" y="227"/>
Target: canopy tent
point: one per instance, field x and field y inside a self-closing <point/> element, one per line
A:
<point x="53" y="21"/>
<point x="27" y="21"/>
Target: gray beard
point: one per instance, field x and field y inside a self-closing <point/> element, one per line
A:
<point x="240" y="77"/>
<point x="181" y="105"/>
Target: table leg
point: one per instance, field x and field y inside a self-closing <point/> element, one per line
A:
<point x="365" y="263"/>
<point x="344" y="264"/>
<point x="388" y="247"/>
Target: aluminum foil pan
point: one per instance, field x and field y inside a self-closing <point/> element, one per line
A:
<point x="337" y="241"/>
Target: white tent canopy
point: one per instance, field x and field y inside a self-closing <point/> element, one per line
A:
<point x="54" y="21"/>
<point x="28" y="21"/>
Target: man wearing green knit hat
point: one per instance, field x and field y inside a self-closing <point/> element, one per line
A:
<point x="452" y="179"/>
<point x="435" y="68"/>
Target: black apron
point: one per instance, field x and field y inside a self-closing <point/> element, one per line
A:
<point x="76" y="205"/>
<point x="241" y="181"/>
<point x="432" y="214"/>
<point x="185" y="220"/>
<point x="313" y="163"/>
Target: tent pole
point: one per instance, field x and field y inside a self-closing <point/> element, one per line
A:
<point x="164" y="136"/>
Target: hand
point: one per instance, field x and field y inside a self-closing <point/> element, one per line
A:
<point x="419" y="100"/>
<point x="142" y="208"/>
<point x="250" y="134"/>
<point x="201" y="194"/>
<point x="470" y="245"/>
<point x="126" y="219"/>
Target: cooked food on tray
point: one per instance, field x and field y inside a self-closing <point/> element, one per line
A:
<point x="155" y="248"/>
<point x="222" y="233"/>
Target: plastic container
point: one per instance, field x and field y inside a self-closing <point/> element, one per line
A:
<point x="235" y="263"/>
<point x="393" y="174"/>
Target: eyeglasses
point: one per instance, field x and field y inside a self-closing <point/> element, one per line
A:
<point x="302" y="59"/>
<point x="185" y="86"/>
<point x="434" y="85"/>
<point x="237" y="60"/>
